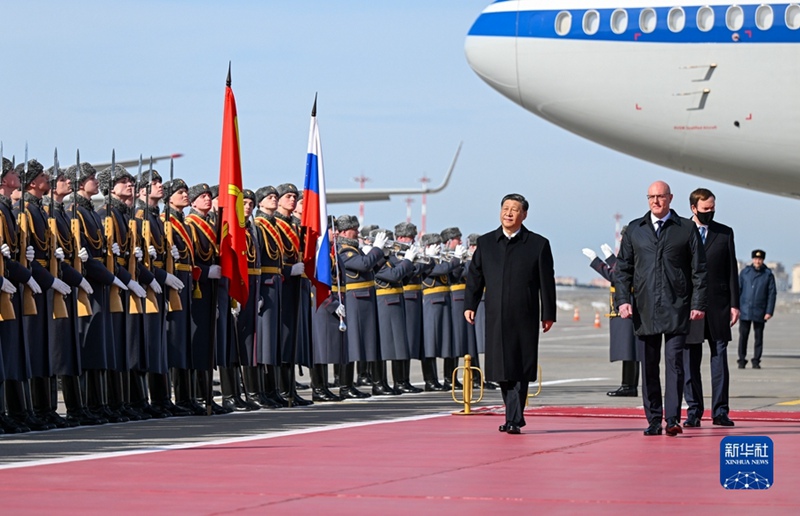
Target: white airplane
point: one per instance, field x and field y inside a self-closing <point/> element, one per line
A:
<point x="709" y="88"/>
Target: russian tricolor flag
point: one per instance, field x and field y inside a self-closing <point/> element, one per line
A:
<point x="317" y="253"/>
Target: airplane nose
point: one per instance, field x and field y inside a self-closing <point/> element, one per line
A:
<point x="491" y="52"/>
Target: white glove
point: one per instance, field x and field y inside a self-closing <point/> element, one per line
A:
<point x="235" y="309"/>
<point x="5" y="250"/>
<point x="174" y="251"/>
<point x="155" y="287"/>
<point x="118" y="282"/>
<point x="298" y="269"/>
<point x="432" y="250"/>
<point x="214" y="272"/>
<point x="60" y="286"/>
<point x="260" y="304"/>
<point x="152" y="251"/>
<point x="8" y="287"/>
<point x="340" y="311"/>
<point x="83" y="254"/>
<point x="86" y="287"/>
<point x="59" y="254"/>
<point x="589" y="253"/>
<point x="115" y="248"/>
<point x="411" y="253"/>
<point x="35" y="288"/>
<point x="137" y="289"/>
<point x="137" y="252"/>
<point x="366" y="248"/>
<point x="29" y="253"/>
<point x="607" y="251"/>
<point x="460" y="251"/>
<point x="380" y="240"/>
<point x="173" y="282"/>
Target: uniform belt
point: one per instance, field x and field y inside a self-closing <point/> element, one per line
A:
<point x="254" y="271"/>
<point x="43" y="263"/>
<point x="434" y="290"/>
<point x="389" y="291"/>
<point x="183" y="267"/>
<point x="98" y="258"/>
<point x="270" y="270"/>
<point x="460" y="286"/>
<point x="359" y="285"/>
<point x="408" y="288"/>
<point x="334" y="288"/>
<point x="159" y="264"/>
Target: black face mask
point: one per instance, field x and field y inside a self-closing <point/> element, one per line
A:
<point x="705" y="217"/>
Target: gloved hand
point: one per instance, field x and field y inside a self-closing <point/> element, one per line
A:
<point x="5" y="250"/>
<point x="340" y="311"/>
<point x="589" y="253"/>
<point x="607" y="251"/>
<point x="29" y="253"/>
<point x="173" y="282"/>
<point x="118" y="282"/>
<point x="59" y="254"/>
<point x="60" y="287"/>
<point x="115" y="248"/>
<point x="174" y="251"/>
<point x="8" y="287"/>
<point x="366" y="248"/>
<point x="432" y="250"/>
<point x="380" y="240"/>
<point x="298" y="269"/>
<point x="235" y="309"/>
<point x="214" y="272"/>
<point x="35" y="288"/>
<point x="152" y="251"/>
<point x="137" y="252"/>
<point x="86" y="287"/>
<point x="260" y="304"/>
<point x="83" y="254"/>
<point x="460" y="252"/>
<point x="155" y="287"/>
<point x="136" y="289"/>
<point x="411" y="253"/>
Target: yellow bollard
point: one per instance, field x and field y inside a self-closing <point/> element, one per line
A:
<point x="539" y="390"/>
<point x="467" y="401"/>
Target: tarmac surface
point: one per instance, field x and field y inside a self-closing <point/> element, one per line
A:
<point x="401" y="453"/>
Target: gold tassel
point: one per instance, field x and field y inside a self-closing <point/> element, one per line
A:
<point x="197" y="293"/>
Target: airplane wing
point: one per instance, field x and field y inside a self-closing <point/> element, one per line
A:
<point x="383" y="194"/>
<point x="135" y="162"/>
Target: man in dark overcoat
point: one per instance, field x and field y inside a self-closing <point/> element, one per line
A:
<point x="515" y="267"/>
<point x="661" y="260"/>
<point x="722" y="313"/>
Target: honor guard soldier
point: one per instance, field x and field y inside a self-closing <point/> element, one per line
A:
<point x="358" y="267"/>
<point x="458" y="282"/>
<point x="294" y="320"/>
<point x="96" y="332"/>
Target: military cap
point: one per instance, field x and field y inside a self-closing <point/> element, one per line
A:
<point x="248" y="194"/>
<point x="104" y="178"/>
<point x="405" y="229"/>
<point x="198" y="190"/>
<point x="450" y="233"/>
<point x="300" y="196"/>
<point x="86" y="171"/>
<point x="55" y="174"/>
<point x="345" y="222"/>
<point x="214" y="191"/>
<point x="6" y="167"/>
<point x="472" y="239"/>
<point x="146" y="179"/>
<point x="173" y="186"/>
<point x="286" y="188"/>
<point x="431" y="239"/>
<point x="366" y="230"/>
<point x="263" y="192"/>
<point x="374" y="233"/>
<point x="35" y="169"/>
<point x="758" y="253"/>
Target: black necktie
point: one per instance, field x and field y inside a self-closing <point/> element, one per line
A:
<point x="658" y="229"/>
<point x="703" y="230"/>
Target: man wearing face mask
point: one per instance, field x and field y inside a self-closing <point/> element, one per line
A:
<point x="722" y="312"/>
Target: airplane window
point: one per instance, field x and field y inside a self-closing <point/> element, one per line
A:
<point x="734" y="18"/>
<point x="591" y="22"/>
<point x="619" y="21"/>
<point x="563" y="23"/>
<point x="793" y="16"/>
<point x="705" y="18"/>
<point x="676" y="19"/>
<point x="764" y="17"/>
<point x="647" y="21"/>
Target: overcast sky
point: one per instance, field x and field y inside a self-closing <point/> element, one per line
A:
<point x="396" y="96"/>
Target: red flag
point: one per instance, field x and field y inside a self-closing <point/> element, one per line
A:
<point x="233" y="243"/>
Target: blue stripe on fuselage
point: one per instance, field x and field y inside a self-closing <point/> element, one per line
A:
<point x="541" y="24"/>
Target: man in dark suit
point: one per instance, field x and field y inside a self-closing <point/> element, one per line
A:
<point x="721" y="314"/>
<point x="515" y="267"/>
<point x="662" y="261"/>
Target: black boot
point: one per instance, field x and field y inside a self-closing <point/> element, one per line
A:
<point x="288" y="386"/>
<point x="230" y="394"/>
<point x="7" y="424"/>
<point x="42" y="405"/>
<point x="364" y="376"/>
<point x="76" y="408"/>
<point x="241" y="392"/>
<point x="346" y="389"/>
<point x="429" y="374"/>
<point x="182" y="379"/>
<point x="319" y="384"/>
<point x="204" y="382"/>
<point x="18" y="407"/>
<point x="270" y="378"/>
<point x="450" y="366"/>
<point x="379" y="385"/>
<point x="630" y="380"/>
<point x="403" y="382"/>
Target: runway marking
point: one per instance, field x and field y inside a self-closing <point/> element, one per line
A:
<point x="573" y="380"/>
<point x="216" y="442"/>
<point x="794" y="402"/>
